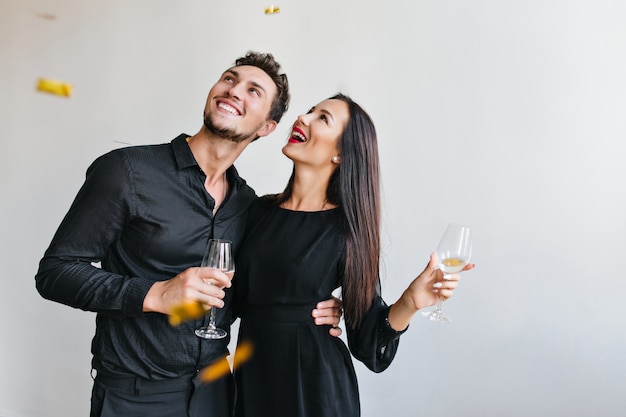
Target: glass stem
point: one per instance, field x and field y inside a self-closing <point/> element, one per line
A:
<point x="438" y="307"/>
<point x="439" y="300"/>
<point x="212" y="325"/>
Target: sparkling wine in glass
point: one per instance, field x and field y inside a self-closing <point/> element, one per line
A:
<point x="454" y="252"/>
<point x="218" y="256"/>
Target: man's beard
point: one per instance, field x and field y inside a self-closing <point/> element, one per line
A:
<point x="224" y="133"/>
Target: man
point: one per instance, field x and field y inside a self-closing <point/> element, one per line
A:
<point x="146" y="214"/>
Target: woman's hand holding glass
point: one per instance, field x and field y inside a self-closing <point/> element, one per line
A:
<point x="427" y="289"/>
<point x="454" y="252"/>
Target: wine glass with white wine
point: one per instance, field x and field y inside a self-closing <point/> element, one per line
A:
<point x="219" y="256"/>
<point x="454" y="251"/>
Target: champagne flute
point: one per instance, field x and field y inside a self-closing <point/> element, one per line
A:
<point x="454" y="251"/>
<point x="218" y="256"/>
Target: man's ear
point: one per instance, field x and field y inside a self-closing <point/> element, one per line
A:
<point x="267" y="128"/>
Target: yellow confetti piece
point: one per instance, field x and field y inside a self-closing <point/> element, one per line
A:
<point x="272" y="10"/>
<point x="213" y="372"/>
<point x="54" y="87"/>
<point x="188" y="310"/>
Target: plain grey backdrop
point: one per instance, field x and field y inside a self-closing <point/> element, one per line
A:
<point x="508" y="116"/>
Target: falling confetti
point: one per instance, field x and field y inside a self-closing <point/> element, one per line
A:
<point x="188" y="310"/>
<point x="54" y="87"/>
<point x="272" y="10"/>
<point x="211" y="373"/>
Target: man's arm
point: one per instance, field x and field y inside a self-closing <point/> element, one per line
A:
<point x="93" y="223"/>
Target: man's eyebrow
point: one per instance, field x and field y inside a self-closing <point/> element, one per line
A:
<point x="257" y="85"/>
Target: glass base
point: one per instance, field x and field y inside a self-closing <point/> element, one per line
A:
<point x="436" y="315"/>
<point x="209" y="333"/>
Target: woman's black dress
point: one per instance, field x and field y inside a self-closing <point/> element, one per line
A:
<point x="288" y="262"/>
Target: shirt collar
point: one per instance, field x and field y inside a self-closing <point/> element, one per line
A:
<point x="185" y="159"/>
<point x="182" y="153"/>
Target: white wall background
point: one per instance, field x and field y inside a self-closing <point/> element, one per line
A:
<point x="505" y="115"/>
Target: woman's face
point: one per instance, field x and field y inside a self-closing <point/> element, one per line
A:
<point x="314" y="137"/>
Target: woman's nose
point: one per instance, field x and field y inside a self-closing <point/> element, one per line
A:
<point x="303" y="119"/>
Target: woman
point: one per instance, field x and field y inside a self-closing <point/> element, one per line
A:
<point x="321" y="232"/>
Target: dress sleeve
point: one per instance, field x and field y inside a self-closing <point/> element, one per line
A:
<point x="375" y="342"/>
<point x="94" y="222"/>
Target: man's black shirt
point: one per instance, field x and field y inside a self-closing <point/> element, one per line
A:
<point x="144" y="214"/>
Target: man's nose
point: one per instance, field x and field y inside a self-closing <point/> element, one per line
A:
<point x="236" y="91"/>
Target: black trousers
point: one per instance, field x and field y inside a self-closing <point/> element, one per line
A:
<point x="180" y="397"/>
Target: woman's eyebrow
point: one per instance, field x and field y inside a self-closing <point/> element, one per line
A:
<point x="329" y="114"/>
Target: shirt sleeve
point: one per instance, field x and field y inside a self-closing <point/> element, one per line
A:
<point x="94" y="222"/>
<point x="375" y="342"/>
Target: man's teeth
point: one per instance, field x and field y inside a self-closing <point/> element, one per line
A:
<point x="298" y="136"/>
<point x="228" y="108"/>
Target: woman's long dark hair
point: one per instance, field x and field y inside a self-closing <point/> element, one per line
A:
<point x="355" y="188"/>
